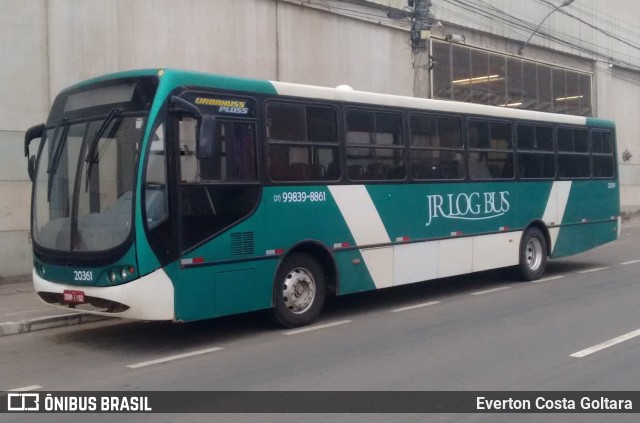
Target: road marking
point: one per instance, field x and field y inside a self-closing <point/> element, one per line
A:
<point x="26" y="388"/>
<point x="606" y="344"/>
<point x="317" y="327"/>
<point x="597" y="269"/>
<point x="490" y="291"/>
<point x="630" y="262"/>
<point x="550" y="278"/>
<point x="173" y="357"/>
<point x="398" y="310"/>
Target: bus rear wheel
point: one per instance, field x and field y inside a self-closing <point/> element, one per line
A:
<point x="533" y="255"/>
<point x="299" y="291"/>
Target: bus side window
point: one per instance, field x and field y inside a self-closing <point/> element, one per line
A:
<point x="375" y="148"/>
<point x="536" y="159"/>
<point x="490" y="150"/>
<point x="187" y="127"/>
<point x="302" y="142"/>
<point x="236" y="158"/>
<point x="436" y="148"/>
<point x="219" y="191"/>
<point x="573" y="153"/>
<point x="602" y="151"/>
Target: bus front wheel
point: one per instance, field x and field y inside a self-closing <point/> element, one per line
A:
<point x="299" y="291"/>
<point x="533" y="254"/>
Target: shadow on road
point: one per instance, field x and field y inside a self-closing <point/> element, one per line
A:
<point x="124" y="337"/>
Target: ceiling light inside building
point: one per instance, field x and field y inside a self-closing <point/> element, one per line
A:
<point x="478" y="80"/>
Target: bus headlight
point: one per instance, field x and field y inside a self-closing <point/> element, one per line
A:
<point x="112" y="276"/>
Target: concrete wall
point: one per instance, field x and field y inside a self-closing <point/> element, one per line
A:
<point x="593" y="29"/>
<point x="619" y="99"/>
<point x="592" y="33"/>
<point x="616" y="96"/>
<point x="24" y="100"/>
<point x="49" y="45"/>
<point x="340" y="50"/>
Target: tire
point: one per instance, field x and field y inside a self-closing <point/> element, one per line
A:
<point x="533" y="255"/>
<point x="298" y="291"/>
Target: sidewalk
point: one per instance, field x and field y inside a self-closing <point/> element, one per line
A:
<point x="21" y="311"/>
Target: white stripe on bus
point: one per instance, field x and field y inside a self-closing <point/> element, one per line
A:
<point x="556" y="205"/>
<point x="367" y="228"/>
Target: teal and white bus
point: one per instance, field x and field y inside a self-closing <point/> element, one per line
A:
<point x="175" y="195"/>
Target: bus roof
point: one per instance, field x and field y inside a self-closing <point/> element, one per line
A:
<point x="171" y="78"/>
<point x="335" y="94"/>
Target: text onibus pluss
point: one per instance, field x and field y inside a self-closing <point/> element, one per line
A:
<point x="175" y="195"/>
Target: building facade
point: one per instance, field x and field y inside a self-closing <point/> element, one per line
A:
<point x="583" y="60"/>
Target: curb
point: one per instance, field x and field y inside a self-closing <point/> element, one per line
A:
<point x="49" y="322"/>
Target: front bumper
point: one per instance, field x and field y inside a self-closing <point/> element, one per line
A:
<point x="149" y="298"/>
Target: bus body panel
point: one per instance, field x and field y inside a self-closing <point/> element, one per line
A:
<point x="150" y="297"/>
<point x="380" y="238"/>
<point x="90" y="275"/>
<point x="379" y="234"/>
<point x="588" y="223"/>
<point x="170" y="80"/>
<point x="227" y="273"/>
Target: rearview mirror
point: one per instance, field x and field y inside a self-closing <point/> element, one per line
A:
<point x="181" y="105"/>
<point x="206" y="145"/>
<point x="31" y="134"/>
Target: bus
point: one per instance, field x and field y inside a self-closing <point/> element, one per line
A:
<point x="175" y="195"/>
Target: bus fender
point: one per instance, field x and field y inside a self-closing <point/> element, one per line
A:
<point x="322" y="254"/>
<point x="538" y="223"/>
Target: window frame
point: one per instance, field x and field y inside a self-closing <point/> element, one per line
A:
<point x="305" y="142"/>
<point x="553" y="152"/>
<point x="611" y="154"/>
<point x="560" y="153"/>
<point x="401" y="146"/>
<point x="460" y="150"/>
<point x="510" y="151"/>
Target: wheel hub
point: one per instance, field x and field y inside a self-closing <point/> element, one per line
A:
<point x="299" y="290"/>
<point x="534" y="254"/>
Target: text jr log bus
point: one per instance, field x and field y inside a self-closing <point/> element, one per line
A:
<point x="175" y="195"/>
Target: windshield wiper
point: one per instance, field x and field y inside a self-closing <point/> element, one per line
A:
<point x="93" y="144"/>
<point x="56" y="153"/>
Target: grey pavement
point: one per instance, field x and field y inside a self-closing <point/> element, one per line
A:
<point x="21" y="311"/>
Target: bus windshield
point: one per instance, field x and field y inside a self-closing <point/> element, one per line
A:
<point x="83" y="199"/>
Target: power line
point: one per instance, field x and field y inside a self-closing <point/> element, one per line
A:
<point x="513" y="26"/>
<point x="608" y="34"/>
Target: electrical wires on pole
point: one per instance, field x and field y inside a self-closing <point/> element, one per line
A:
<point x="420" y="33"/>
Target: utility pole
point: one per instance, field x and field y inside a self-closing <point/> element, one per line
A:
<point x="420" y="33"/>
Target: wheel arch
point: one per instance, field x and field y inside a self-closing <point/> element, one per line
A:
<point x="319" y="252"/>
<point x="539" y="224"/>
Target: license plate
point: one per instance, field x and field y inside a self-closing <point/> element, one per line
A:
<point x="73" y="297"/>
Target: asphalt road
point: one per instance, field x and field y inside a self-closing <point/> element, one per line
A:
<point x="482" y="332"/>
